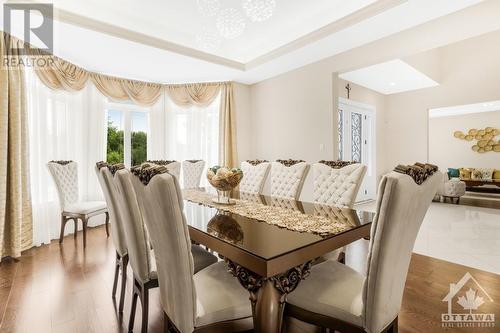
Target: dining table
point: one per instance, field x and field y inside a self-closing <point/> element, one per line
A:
<point x="270" y="244"/>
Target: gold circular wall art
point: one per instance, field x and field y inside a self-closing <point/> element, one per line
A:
<point x="486" y="140"/>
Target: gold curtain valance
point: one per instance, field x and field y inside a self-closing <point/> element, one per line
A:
<point x="139" y="92"/>
<point x="59" y="74"/>
<point x="199" y="94"/>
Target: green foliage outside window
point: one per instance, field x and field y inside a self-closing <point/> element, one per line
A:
<point x="115" y="146"/>
<point x="139" y="147"/>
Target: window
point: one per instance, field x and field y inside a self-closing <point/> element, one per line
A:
<point x="128" y="128"/>
<point x="193" y="133"/>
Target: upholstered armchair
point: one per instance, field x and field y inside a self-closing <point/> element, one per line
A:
<point x="452" y="189"/>
<point x="254" y="176"/>
<point x="337" y="297"/>
<point x="210" y="300"/>
<point x="65" y="176"/>
<point x="192" y="171"/>
<point x="287" y="178"/>
<point x="105" y="174"/>
<point x="141" y="256"/>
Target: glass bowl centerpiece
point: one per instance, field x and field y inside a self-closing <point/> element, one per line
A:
<point x="224" y="179"/>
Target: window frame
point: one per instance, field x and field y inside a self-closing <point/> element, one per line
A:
<point x="127" y="108"/>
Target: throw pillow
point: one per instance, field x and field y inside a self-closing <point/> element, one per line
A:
<point x="476" y="174"/>
<point x="487" y="174"/>
<point x="453" y="173"/>
<point x="465" y="173"/>
<point x="496" y="175"/>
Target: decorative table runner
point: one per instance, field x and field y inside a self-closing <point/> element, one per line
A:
<point x="281" y="217"/>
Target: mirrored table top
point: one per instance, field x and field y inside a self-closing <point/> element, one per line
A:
<point x="265" y="240"/>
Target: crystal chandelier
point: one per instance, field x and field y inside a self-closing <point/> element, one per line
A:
<point x="208" y="8"/>
<point x="230" y="23"/>
<point x="259" y="10"/>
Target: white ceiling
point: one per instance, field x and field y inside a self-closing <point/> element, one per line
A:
<point x="180" y="21"/>
<point x="389" y="77"/>
<point x="154" y="41"/>
<point x="490" y="106"/>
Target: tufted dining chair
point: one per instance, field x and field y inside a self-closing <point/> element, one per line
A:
<point x="65" y="176"/>
<point x="337" y="297"/>
<point x="254" y="176"/>
<point x="173" y="167"/>
<point x="105" y="174"/>
<point x="210" y="300"/>
<point x="287" y="178"/>
<point x="191" y="173"/>
<point x="337" y="182"/>
<point x="141" y="255"/>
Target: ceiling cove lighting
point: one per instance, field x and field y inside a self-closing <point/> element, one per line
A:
<point x="259" y="10"/>
<point x="230" y="23"/>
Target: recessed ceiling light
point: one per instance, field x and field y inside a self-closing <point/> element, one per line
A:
<point x="392" y="83"/>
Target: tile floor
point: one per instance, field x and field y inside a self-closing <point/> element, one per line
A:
<point x="461" y="234"/>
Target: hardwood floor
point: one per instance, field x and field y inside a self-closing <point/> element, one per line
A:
<point x="61" y="288"/>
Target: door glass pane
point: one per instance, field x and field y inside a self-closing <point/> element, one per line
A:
<point x="356" y="130"/>
<point x="139" y="137"/>
<point x="115" y="137"/>
<point x="341" y="134"/>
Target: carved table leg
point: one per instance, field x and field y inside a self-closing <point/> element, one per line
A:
<point x="268" y="295"/>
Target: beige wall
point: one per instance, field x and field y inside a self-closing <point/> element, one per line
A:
<point x="292" y="115"/>
<point x="470" y="73"/>
<point x="446" y="151"/>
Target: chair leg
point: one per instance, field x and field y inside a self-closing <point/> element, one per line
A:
<point x="341" y="258"/>
<point x="124" y="265"/>
<point x="145" y="309"/>
<point x="117" y="272"/>
<point x="394" y="326"/>
<point x="166" y="323"/>
<point x="76" y="227"/>
<point x="63" y="224"/>
<point x="107" y="224"/>
<point x="84" y="227"/>
<point x="132" y="311"/>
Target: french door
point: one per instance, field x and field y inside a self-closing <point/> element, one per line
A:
<point x="356" y="142"/>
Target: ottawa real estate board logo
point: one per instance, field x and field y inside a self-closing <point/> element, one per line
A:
<point x="464" y="301"/>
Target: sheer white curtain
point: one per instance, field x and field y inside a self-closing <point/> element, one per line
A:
<point x="63" y="126"/>
<point x="192" y="133"/>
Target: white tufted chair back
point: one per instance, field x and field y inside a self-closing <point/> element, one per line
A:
<point x="191" y="172"/>
<point x="139" y="251"/>
<point x="401" y="207"/>
<point x="111" y="196"/>
<point x="337" y="187"/>
<point x="65" y="175"/>
<point x="287" y="181"/>
<point x="162" y="208"/>
<point x="254" y="177"/>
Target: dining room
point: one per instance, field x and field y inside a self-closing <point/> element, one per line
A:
<point x="214" y="166"/>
